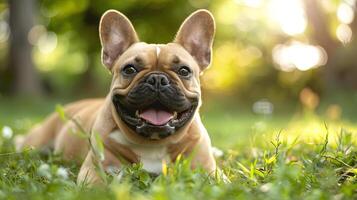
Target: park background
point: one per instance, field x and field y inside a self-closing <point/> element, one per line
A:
<point x="273" y="59"/>
<point x="283" y="67"/>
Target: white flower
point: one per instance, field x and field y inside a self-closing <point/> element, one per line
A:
<point x="217" y="152"/>
<point x="62" y="172"/>
<point x="266" y="187"/>
<point x="7" y="132"/>
<point x="44" y="170"/>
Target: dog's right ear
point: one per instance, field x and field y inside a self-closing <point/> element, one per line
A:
<point x="116" y="35"/>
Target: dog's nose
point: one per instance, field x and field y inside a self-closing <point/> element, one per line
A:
<point x="158" y="80"/>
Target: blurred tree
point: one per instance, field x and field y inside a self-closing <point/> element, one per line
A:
<point x="66" y="49"/>
<point x="319" y="24"/>
<point x="339" y="71"/>
<point x="25" y="78"/>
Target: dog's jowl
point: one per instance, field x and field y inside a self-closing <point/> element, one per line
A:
<point x="150" y="114"/>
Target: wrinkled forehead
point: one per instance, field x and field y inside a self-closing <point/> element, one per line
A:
<point x="156" y="55"/>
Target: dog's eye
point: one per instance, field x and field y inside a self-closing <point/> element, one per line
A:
<point x="129" y="70"/>
<point x="184" y="71"/>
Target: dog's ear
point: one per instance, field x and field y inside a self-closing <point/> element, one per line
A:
<point x="116" y="35"/>
<point x="196" y="36"/>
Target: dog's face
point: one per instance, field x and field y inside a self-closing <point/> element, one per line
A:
<point x="155" y="89"/>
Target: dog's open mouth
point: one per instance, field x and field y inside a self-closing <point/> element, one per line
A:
<point x="154" y="121"/>
<point x="156" y="117"/>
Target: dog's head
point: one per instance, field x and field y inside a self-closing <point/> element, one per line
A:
<point x="155" y="90"/>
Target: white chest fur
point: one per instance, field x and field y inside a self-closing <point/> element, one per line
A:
<point x="151" y="157"/>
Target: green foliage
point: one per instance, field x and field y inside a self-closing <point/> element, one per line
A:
<point x="60" y="112"/>
<point x="243" y="50"/>
<point x="280" y="170"/>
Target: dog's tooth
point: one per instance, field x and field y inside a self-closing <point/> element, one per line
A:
<point x="173" y="122"/>
<point x="137" y="113"/>
<point x="175" y="115"/>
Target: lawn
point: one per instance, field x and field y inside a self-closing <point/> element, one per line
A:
<point x="290" y="154"/>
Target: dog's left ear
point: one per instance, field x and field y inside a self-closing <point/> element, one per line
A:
<point x="116" y="35"/>
<point x="196" y="36"/>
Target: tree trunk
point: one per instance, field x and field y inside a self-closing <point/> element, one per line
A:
<point x="25" y="77"/>
<point x="320" y="34"/>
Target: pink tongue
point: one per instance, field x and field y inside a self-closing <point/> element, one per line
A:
<point x="156" y="117"/>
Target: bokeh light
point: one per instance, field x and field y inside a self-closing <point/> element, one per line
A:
<point x="345" y="13"/>
<point x="251" y="3"/>
<point x="4" y="26"/>
<point x="4" y="31"/>
<point x="309" y="99"/>
<point x="334" y="112"/>
<point x="263" y="107"/>
<point x="344" y="33"/>
<point x="289" y="14"/>
<point x="297" y="55"/>
<point x="52" y="54"/>
<point x="47" y="42"/>
<point x="35" y="33"/>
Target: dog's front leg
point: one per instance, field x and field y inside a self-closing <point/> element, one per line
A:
<point x="92" y="167"/>
<point x="103" y="125"/>
<point x="199" y="147"/>
<point x="203" y="156"/>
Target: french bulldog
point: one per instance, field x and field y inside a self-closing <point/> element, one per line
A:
<point x="150" y="114"/>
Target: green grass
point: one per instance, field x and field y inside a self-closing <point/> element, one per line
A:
<point x="284" y="156"/>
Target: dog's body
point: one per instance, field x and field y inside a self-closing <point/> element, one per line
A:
<point x="151" y="112"/>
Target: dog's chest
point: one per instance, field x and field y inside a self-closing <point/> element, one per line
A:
<point x="151" y="157"/>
